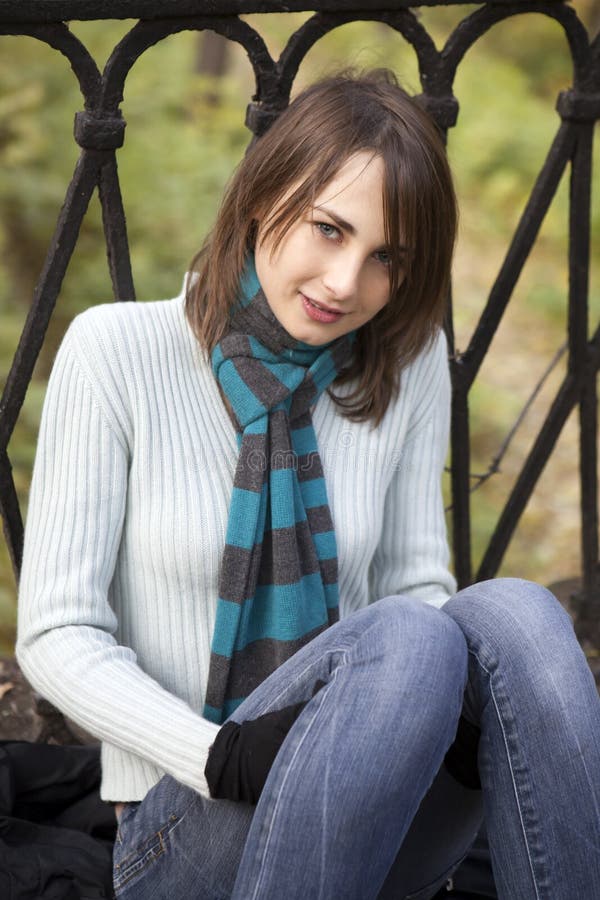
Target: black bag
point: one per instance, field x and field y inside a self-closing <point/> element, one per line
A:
<point x="56" y="835"/>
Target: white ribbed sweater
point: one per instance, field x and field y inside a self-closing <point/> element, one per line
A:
<point x="127" y="519"/>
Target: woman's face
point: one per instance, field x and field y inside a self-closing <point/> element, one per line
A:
<point x="331" y="272"/>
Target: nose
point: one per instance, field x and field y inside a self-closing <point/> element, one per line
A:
<point x="342" y="275"/>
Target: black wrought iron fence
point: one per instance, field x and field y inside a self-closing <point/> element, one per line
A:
<point x="99" y="131"/>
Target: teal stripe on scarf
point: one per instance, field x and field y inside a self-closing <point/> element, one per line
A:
<point x="273" y="614"/>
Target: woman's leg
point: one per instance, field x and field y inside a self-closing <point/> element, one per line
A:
<point x="356" y="764"/>
<point x="345" y="785"/>
<point x="440" y="836"/>
<point x="535" y="699"/>
<point x="177" y="844"/>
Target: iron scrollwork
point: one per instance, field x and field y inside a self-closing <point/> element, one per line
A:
<point x="100" y="130"/>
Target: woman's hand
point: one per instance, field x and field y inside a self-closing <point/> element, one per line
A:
<point x="242" y="755"/>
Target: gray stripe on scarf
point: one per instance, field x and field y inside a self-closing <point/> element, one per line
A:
<point x="339" y="354"/>
<point x="255" y="663"/>
<point x="281" y="566"/>
<point x="240" y="575"/>
<point x="252" y="463"/>
<point x="288" y="556"/>
<point x="303" y="420"/>
<point x="302" y="399"/>
<point x="283" y="455"/>
<point x="329" y="570"/>
<point x="258" y="318"/>
<point x="263" y="384"/>
<point x="319" y="519"/>
<point x="309" y="467"/>
<point x="234" y="344"/>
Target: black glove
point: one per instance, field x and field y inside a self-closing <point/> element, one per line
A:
<point x="242" y="755"/>
<point x="461" y="758"/>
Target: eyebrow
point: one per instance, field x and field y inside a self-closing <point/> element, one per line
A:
<point x="347" y="226"/>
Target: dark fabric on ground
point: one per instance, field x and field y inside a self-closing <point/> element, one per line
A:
<point x="56" y="834"/>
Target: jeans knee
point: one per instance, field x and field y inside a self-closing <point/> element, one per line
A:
<point x="514" y="598"/>
<point x="507" y="616"/>
<point x="422" y="664"/>
<point x="408" y="627"/>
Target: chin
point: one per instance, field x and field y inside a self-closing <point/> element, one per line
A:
<point x="311" y="338"/>
<point x="299" y="332"/>
<point x="308" y="332"/>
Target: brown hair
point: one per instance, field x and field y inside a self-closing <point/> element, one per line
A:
<point x="305" y="147"/>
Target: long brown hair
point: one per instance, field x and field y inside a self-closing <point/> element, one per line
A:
<point x="305" y="147"/>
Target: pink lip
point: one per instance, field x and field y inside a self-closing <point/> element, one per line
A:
<point x="324" y="314"/>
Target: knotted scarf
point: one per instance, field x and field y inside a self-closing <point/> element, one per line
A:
<point x="278" y="585"/>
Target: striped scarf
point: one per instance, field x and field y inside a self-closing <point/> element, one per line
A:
<point x="278" y="582"/>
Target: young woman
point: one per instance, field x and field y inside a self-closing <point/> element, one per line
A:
<point x="235" y="568"/>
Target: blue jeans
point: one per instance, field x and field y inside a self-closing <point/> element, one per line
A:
<point x="358" y="804"/>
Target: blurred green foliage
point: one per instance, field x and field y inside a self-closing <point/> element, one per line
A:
<point x="181" y="147"/>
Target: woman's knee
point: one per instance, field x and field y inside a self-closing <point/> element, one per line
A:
<point x="417" y="664"/>
<point x="507" y="617"/>
<point x="401" y="612"/>
<point x="513" y="599"/>
<point x="407" y="628"/>
<point x="522" y="645"/>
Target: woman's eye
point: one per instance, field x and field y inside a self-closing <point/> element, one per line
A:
<point x="383" y="257"/>
<point x="327" y="230"/>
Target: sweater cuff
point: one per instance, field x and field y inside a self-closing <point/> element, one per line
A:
<point x="212" y="730"/>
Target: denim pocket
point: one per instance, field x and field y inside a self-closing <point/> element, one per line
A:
<point x="131" y="857"/>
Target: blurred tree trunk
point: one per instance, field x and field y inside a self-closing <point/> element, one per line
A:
<point x="212" y="60"/>
<point x="23" y="253"/>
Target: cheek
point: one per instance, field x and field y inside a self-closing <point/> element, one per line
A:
<point x="268" y="266"/>
<point x="379" y="299"/>
<point x="284" y="264"/>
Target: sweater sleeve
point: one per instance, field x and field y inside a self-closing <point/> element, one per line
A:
<point x="412" y="556"/>
<point x="66" y="626"/>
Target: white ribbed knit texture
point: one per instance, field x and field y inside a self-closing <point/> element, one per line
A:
<point x="127" y="519"/>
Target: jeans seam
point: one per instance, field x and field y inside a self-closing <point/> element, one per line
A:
<point x="273" y="816"/>
<point x="510" y="766"/>
<point x="124" y="867"/>
<point x="271" y="812"/>
<point x="329" y="652"/>
<point x="272" y="704"/>
<point x="343" y="651"/>
<point x="155" y="848"/>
